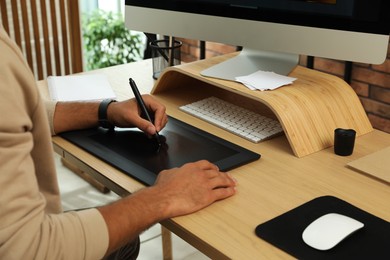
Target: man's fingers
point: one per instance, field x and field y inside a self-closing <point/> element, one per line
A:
<point x="221" y="180"/>
<point x="159" y="112"/>
<point x="206" y="165"/>
<point x="160" y="119"/>
<point x="223" y="193"/>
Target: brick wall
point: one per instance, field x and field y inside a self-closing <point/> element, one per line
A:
<point x="191" y="51"/>
<point x="371" y="82"/>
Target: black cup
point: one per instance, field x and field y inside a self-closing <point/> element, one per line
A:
<point x="344" y="141"/>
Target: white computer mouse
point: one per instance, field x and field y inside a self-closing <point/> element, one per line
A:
<point x="328" y="230"/>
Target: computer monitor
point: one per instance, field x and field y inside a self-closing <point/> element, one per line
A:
<point x="273" y="32"/>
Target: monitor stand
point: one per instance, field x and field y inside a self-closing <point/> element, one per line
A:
<point x="309" y="110"/>
<point x="250" y="61"/>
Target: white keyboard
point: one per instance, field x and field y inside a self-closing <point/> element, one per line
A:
<point x="237" y="120"/>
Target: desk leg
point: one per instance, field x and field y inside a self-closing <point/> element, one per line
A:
<point x="166" y="238"/>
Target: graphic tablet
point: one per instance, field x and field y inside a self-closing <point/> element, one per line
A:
<point x="131" y="151"/>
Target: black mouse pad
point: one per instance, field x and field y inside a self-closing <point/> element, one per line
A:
<point x="131" y="151"/>
<point x="285" y="232"/>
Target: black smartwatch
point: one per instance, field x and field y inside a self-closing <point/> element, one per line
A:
<point x="102" y="114"/>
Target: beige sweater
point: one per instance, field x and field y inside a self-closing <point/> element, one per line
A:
<point x="32" y="225"/>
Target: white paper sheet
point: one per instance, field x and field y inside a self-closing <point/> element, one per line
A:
<point x="265" y="80"/>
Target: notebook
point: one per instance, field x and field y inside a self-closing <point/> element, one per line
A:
<point x="80" y="87"/>
<point x="376" y="164"/>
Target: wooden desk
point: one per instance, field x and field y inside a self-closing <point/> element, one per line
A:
<point x="276" y="183"/>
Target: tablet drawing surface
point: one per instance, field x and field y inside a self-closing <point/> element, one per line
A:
<point x="131" y="151"/>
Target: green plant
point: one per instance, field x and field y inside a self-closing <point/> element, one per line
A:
<point x="107" y="41"/>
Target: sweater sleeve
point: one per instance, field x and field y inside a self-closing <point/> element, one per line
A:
<point x="72" y="235"/>
<point x="32" y="225"/>
<point x="50" y="109"/>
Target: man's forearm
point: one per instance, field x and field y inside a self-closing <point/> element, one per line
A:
<point x="75" y="115"/>
<point x="177" y="192"/>
<point x="130" y="216"/>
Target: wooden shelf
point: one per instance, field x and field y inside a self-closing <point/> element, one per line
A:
<point x="309" y="110"/>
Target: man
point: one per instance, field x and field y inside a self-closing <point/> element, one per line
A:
<point x="32" y="224"/>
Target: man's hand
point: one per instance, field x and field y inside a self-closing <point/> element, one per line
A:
<point x="128" y="114"/>
<point x="77" y="115"/>
<point x="192" y="187"/>
<point x="177" y="192"/>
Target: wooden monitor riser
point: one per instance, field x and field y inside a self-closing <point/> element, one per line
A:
<point x="309" y="110"/>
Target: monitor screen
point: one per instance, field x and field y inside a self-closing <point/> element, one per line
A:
<point x="272" y="32"/>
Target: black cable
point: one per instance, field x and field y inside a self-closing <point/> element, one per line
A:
<point x="202" y="53"/>
<point x="348" y="71"/>
<point x="310" y="62"/>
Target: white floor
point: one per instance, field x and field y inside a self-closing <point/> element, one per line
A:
<point x="76" y="193"/>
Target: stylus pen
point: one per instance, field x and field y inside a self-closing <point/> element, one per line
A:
<point x="141" y="103"/>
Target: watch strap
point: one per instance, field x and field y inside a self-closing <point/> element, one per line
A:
<point x="102" y="114"/>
